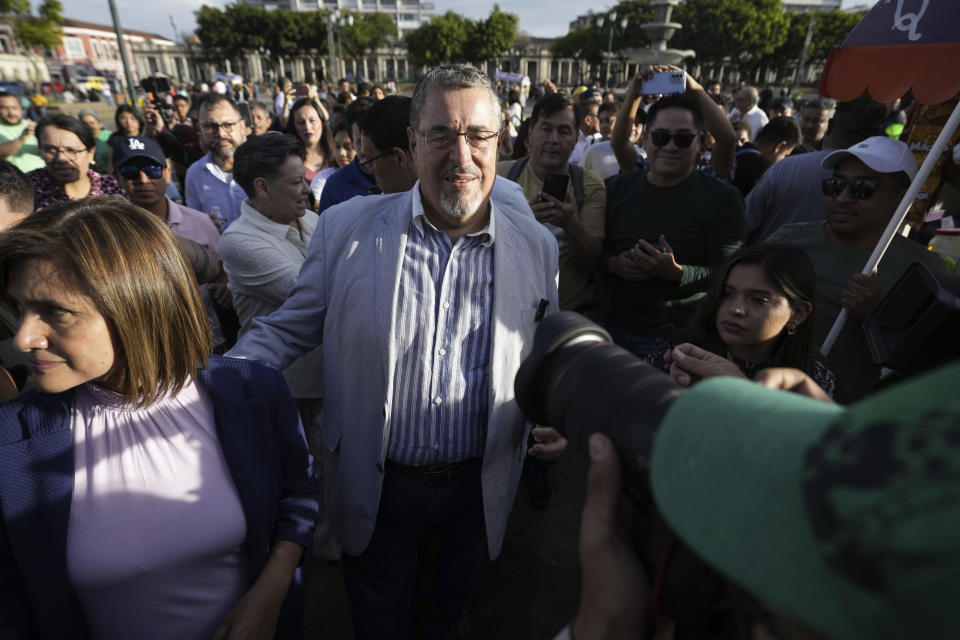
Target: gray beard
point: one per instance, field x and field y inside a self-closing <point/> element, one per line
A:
<point x="223" y="154"/>
<point x="460" y="209"/>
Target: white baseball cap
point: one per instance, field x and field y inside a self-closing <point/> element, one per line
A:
<point x="880" y="153"/>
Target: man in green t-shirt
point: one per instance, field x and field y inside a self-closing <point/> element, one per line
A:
<point x="18" y="145"/>
<point x="869" y="180"/>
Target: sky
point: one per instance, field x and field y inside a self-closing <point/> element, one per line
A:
<point x="545" y="18"/>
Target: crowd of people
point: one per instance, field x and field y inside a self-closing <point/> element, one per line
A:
<point x="227" y="299"/>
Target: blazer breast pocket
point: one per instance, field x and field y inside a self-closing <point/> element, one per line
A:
<point x="528" y="324"/>
<point x="528" y="317"/>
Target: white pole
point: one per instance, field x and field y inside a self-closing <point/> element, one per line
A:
<point x="935" y="152"/>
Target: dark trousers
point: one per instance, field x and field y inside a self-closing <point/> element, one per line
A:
<point x="414" y="578"/>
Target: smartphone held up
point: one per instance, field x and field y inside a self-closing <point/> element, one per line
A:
<point x="665" y="82"/>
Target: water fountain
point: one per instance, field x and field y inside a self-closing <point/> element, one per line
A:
<point x="659" y="32"/>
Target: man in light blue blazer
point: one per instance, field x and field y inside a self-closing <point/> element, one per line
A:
<point x="425" y="303"/>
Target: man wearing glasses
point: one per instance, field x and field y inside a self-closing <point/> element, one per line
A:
<point x="869" y="180"/>
<point x="425" y="302"/>
<point x="67" y="147"/>
<point x="667" y="227"/>
<point x="209" y="184"/>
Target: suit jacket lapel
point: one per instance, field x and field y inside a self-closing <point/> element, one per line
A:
<point x="391" y="245"/>
<point x="36" y="483"/>
<point x="507" y="303"/>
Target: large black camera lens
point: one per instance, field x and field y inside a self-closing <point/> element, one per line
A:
<point x="577" y="381"/>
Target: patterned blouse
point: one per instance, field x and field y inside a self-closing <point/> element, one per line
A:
<point x="49" y="192"/>
<point x="816" y="368"/>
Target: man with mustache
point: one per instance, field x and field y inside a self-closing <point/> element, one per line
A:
<point x="577" y="219"/>
<point x="425" y="302"/>
<point x="209" y="184"/>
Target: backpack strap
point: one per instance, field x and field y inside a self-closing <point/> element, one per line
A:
<point x="576" y="178"/>
<point x="517" y="167"/>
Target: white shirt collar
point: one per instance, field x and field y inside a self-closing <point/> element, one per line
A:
<point x="262" y="222"/>
<point x="419" y="216"/>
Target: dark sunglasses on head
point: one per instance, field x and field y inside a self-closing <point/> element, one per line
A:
<point x="132" y="172"/>
<point x="859" y="188"/>
<point x="683" y="139"/>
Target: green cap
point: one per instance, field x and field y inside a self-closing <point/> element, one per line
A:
<point x="847" y="519"/>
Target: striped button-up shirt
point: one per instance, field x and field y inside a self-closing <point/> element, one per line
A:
<point x="442" y="340"/>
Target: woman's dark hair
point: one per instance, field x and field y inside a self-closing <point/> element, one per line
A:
<point x="520" y="144"/>
<point x="326" y="138"/>
<point x="126" y="108"/>
<point x="262" y="156"/>
<point x="789" y="270"/>
<point x="71" y="124"/>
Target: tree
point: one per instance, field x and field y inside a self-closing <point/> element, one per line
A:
<point x="830" y="28"/>
<point x="491" y="38"/>
<point x="582" y="44"/>
<point x="242" y="28"/>
<point x="367" y="34"/>
<point x="745" y="31"/>
<point x="453" y="38"/>
<point x="440" y="40"/>
<point x="42" y="30"/>
<point x="218" y="35"/>
<point x="591" y="42"/>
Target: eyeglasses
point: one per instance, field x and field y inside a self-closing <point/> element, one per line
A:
<point x="214" y="127"/>
<point x="682" y="139"/>
<point x="859" y="188"/>
<point x="366" y="161"/>
<point x="132" y="172"/>
<point x="445" y="138"/>
<point x="49" y="152"/>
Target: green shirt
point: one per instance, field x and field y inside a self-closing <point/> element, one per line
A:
<point x="850" y="358"/>
<point x="27" y="158"/>
<point x="703" y="220"/>
<point x="102" y="154"/>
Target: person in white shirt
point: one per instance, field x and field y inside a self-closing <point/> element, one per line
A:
<point x="746" y="101"/>
<point x="263" y="250"/>
<point x="589" y="123"/>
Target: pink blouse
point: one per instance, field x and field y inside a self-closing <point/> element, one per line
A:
<point x="156" y="532"/>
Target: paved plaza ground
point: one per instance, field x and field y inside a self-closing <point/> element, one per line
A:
<point x="528" y="593"/>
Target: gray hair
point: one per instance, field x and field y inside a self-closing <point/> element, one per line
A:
<point x="451" y="77"/>
<point x="257" y="104"/>
<point x="753" y="94"/>
<point x="88" y="112"/>
<point x="828" y="105"/>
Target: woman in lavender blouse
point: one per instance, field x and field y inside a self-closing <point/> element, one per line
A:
<point x="147" y="488"/>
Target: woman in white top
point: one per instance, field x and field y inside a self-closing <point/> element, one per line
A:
<point x="147" y="488"/>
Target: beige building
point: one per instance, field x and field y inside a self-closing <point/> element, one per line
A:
<point x="19" y="65"/>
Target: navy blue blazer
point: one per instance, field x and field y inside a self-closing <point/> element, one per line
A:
<point x="265" y="449"/>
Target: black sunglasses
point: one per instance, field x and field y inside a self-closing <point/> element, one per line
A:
<point x="132" y="172"/>
<point x="683" y="139"/>
<point x="859" y="188"/>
